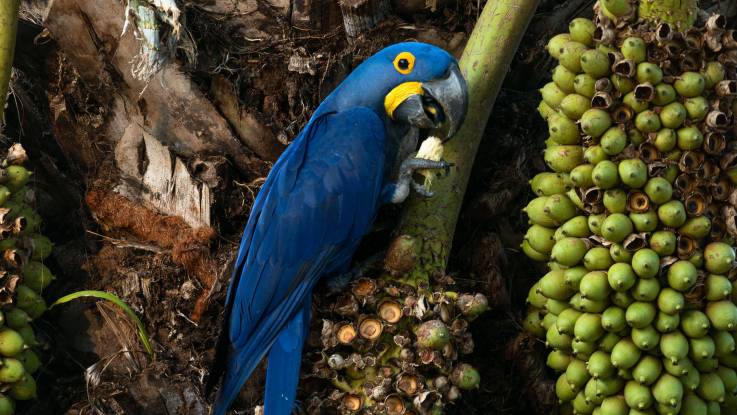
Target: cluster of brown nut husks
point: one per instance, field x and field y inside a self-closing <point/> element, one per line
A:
<point x="637" y="219"/>
<point x="392" y="346"/>
<point x="23" y="277"/>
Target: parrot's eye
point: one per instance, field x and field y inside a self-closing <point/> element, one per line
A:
<point x="404" y="63"/>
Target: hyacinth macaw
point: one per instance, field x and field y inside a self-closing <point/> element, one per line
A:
<point x="319" y="200"/>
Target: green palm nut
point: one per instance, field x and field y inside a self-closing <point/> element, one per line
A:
<point x="621" y="277"/>
<point x="694" y="324"/>
<point x="665" y="139"/>
<point x="647" y="370"/>
<point x="592" y="306"/>
<point x="11" y="370"/>
<point x="547" y="184"/>
<point x="599" y="389"/>
<point x="711" y="387"/>
<point x="563" y="159"/>
<point x="533" y="324"/>
<point x="722" y="314"/>
<point x="552" y="95"/>
<point x="666" y="323"/>
<point x="729" y="379"/>
<point x="619" y="254"/>
<point x="673" y="115"/>
<point x="649" y="72"/>
<point x="567" y="320"/>
<point x="679" y="367"/>
<point x="595" y="222"/>
<point x="690" y="138"/>
<point x="646" y="289"/>
<point x="613" y="141"/>
<point x="577" y="374"/>
<point x="572" y="276"/>
<point x="585" y="85"/>
<point x="664" y="95"/>
<point x="633" y="173"/>
<point x="588" y="328"/>
<point x="637" y="395"/>
<point x="690" y="84"/>
<point x="24" y="390"/>
<point x="536" y="212"/>
<point x="465" y="377"/>
<point x="17" y="177"/>
<point x="595" y="155"/>
<point x="696" y="228"/>
<point x="697" y="108"/>
<point x="570" y="56"/>
<point x="672" y="214"/>
<point x="4" y="194"/>
<point x="613" y="319"/>
<point x="702" y="348"/>
<point x="581" y="405"/>
<point x="625" y="354"/>
<point x="622" y="84"/>
<point x="11" y="343"/>
<point x="645" y="222"/>
<point x="595" y="63"/>
<point x="563" y="130"/>
<point x="622" y="299"/>
<point x="713" y="73"/>
<point x="433" y="334"/>
<point x="645" y="338"/>
<point x="37" y="276"/>
<point x="640" y="314"/>
<point x="595" y="122"/>
<point x="718" y="287"/>
<point x="16" y="318"/>
<point x="563" y="78"/>
<point x="31" y="361"/>
<point x="605" y="175"/>
<point x="637" y="105"/>
<point x="635" y="137"/>
<point x="569" y="251"/>
<point x="563" y="389"/>
<point x="634" y="48"/>
<point x="659" y="190"/>
<point x="617" y="8"/>
<point x="581" y="176"/>
<point x="682" y="275"/>
<point x="608" y="340"/>
<point x="582" y="31"/>
<point x="558" y="360"/>
<point x="600" y="365"/>
<point x="671" y="301"/>
<point x="614" y="405"/>
<point x="545" y="110"/>
<point x="668" y="390"/>
<point x="29" y="301"/>
<point x="719" y="257"/>
<point x="693" y="405"/>
<point x="574" y="106"/>
<point x="552" y="285"/>
<point x="555" y="307"/>
<point x="594" y="286"/>
<point x="29" y="337"/>
<point x="575" y="198"/>
<point x="533" y="254"/>
<point x="691" y="379"/>
<point x="597" y="259"/>
<point x="560" y="208"/>
<point x="582" y="349"/>
<point x="646" y="263"/>
<point x="648" y="121"/>
<point x="674" y="346"/>
<point x="724" y="343"/>
<point x="42" y="247"/>
<point x="7" y="407"/>
<point x="556" y="43"/>
<point x="615" y="201"/>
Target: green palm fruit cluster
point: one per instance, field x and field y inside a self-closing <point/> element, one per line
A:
<point x="23" y="278"/>
<point x="636" y="218"/>
<point x="390" y="347"/>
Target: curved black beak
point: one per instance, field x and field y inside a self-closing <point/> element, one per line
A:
<point x="441" y="104"/>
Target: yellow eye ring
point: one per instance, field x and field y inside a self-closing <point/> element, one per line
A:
<point x="404" y="63"/>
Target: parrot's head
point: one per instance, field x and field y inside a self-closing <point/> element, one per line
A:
<point x="410" y="84"/>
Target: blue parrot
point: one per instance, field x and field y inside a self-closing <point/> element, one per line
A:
<point x="319" y="200"/>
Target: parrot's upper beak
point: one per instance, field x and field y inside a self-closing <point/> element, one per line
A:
<point x="438" y="104"/>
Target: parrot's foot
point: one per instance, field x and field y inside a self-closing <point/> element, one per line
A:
<point x="363" y="268"/>
<point x="399" y="191"/>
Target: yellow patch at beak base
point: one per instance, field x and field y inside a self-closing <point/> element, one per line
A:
<point x="399" y="94"/>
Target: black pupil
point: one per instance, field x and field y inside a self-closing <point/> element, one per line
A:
<point x="403" y="64"/>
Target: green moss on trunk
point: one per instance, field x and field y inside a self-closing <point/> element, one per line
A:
<point x="681" y="14"/>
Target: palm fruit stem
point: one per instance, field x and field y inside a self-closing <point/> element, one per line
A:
<point x="9" y="25"/>
<point x="484" y="64"/>
<point x="681" y="14"/>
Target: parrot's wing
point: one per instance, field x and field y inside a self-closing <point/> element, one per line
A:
<point x="316" y="204"/>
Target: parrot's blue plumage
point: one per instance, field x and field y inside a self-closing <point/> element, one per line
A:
<point x="317" y="203"/>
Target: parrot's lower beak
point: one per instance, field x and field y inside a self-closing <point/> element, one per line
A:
<point x="439" y="104"/>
